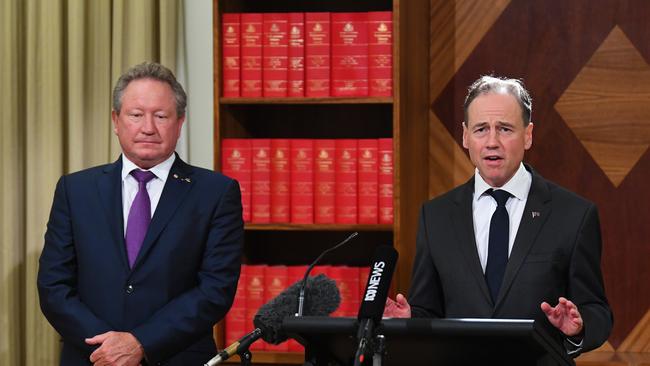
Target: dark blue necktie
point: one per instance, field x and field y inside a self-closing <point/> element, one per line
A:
<point x="497" y="243"/>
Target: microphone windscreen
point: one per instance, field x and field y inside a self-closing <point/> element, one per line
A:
<point x="322" y="298"/>
<point x="381" y="272"/>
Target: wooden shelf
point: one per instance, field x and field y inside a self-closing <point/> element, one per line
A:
<point x="305" y="100"/>
<point x="261" y="357"/>
<point x="317" y="227"/>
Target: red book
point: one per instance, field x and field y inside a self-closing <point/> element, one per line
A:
<point x="364" y="273"/>
<point x="385" y="179"/>
<point x="317" y="54"/>
<point x="367" y="181"/>
<point x="254" y="298"/>
<point x="324" y="181"/>
<point x="251" y="54"/>
<point x="380" y="53"/>
<point x="349" y="54"/>
<point x="296" y="55"/>
<point x="302" y="181"/>
<point x="336" y="273"/>
<point x="349" y="289"/>
<point x="275" y="281"/>
<point x="261" y="181"/>
<point x="295" y="274"/>
<point x="275" y="53"/>
<point x="346" y="181"/>
<point x="236" y="163"/>
<point x="230" y="54"/>
<point x="236" y="317"/>
<point x="280" y="180"/>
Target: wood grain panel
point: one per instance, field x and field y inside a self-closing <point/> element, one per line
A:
<point x="607" y="106"/>
<point x="639" y="338"/>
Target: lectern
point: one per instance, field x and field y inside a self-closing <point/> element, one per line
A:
<point x="440" y="342"/>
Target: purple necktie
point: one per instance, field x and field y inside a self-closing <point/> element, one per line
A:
<point x="139" y="215"/>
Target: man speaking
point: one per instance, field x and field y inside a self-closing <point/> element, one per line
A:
<point x="509" y="243"/>
<point x="141" y="256"/>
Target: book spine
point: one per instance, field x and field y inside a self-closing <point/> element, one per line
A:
<point x="275" y="53"/>
<point x="236" y="163"/>
<point x="368" y="181"/>
<point x="324" y="181"/>
<point x="230" y="30"/>
<point x="261" y="181"/>
<point x="317" y="54"/>
<point x="346" y="181"/>
<point x="275" y="281"/>
<point x="349" y="55"/>
<point x="251" y="54"/>
<point x="385" y="179"/>
<point x="254" y="299"/>
<point x="280" y="180"/>
<point x="296" y="55"/>
<point x="380" y="53"/>
<point x="302" y="181"/>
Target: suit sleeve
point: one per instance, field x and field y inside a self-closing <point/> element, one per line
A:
<point x="586" y="288"/>
<point x="425" y="294"/>
<point x="194" y="312"/>
<point x="57" y="278"/>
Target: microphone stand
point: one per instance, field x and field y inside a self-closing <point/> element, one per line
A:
<point x="379" y="350"/>
<point x="301" y="296"/>
<point x="245" y="357"/>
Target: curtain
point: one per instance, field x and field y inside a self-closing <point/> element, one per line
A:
<point x="58" y="62"/>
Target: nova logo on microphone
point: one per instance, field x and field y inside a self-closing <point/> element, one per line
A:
<point x="375" y="279"/>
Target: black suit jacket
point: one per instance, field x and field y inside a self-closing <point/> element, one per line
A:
<point x="183" y="280"/>
<point x="556" y="253"/>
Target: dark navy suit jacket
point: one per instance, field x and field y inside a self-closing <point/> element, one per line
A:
<point x="556" y="253"/>
<point x="184" y="278"/>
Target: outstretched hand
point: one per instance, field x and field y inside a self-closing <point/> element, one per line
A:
<point x="398" y="308"/>
<point x="564" y="316"/>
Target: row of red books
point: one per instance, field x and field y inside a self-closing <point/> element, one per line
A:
<point x="258" y="284"/>
<point x="307" y="181"/>
<point x="307" y="54"/>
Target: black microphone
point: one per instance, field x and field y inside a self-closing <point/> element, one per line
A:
<point x="301" y="296"/>
<point x="323" y="299"/>
<point x="374" y="297"/>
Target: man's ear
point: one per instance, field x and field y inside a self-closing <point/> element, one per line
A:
<point x="465" y="132"/>
<point x="114" y="118"/>
<point x="528" y="136"/>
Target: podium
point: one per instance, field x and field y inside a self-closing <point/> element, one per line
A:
<point x="440" y="342"/>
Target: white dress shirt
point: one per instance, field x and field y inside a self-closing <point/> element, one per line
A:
<point x="484" y="205"/>
<point x="154" y="186"/>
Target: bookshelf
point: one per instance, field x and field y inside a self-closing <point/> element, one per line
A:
<point x="404" y="117"/>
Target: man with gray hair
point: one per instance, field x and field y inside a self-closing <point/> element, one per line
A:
<point x="509" y="243"/>
<point x="141" y="256"/>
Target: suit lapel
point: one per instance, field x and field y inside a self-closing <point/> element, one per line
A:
<point x="535" y="214"/>
<point x="176" y="187"/>
<point x="109" y="186"/>
<point x="463" y="219"/>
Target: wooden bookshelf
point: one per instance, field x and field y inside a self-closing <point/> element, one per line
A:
<point x="404" y="117"/>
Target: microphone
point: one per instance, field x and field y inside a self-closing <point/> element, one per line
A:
<point x="374" y="297"/>
<point x="324" y="298"/>
<point x="301" y="296"/>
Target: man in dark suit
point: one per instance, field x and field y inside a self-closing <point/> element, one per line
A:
<point x="141" y="256"/>
<point x="508" y="242"/>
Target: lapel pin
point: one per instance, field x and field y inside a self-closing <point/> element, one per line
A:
<point x="535" y="214"/>
<point x="175" y="176"/>
<point x="188" y="180"/>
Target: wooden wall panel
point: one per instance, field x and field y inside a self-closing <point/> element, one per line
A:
<point x="550" y="44"/>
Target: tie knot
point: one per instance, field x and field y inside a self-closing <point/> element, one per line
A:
<point x="142" y="176"/>
<point x="500" y="196"/>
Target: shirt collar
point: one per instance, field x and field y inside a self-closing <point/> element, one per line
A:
<point x="161" y="171"/>
<point x="518" y="185"/>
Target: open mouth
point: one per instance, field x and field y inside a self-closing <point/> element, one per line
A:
<point x="493" y="158"/>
